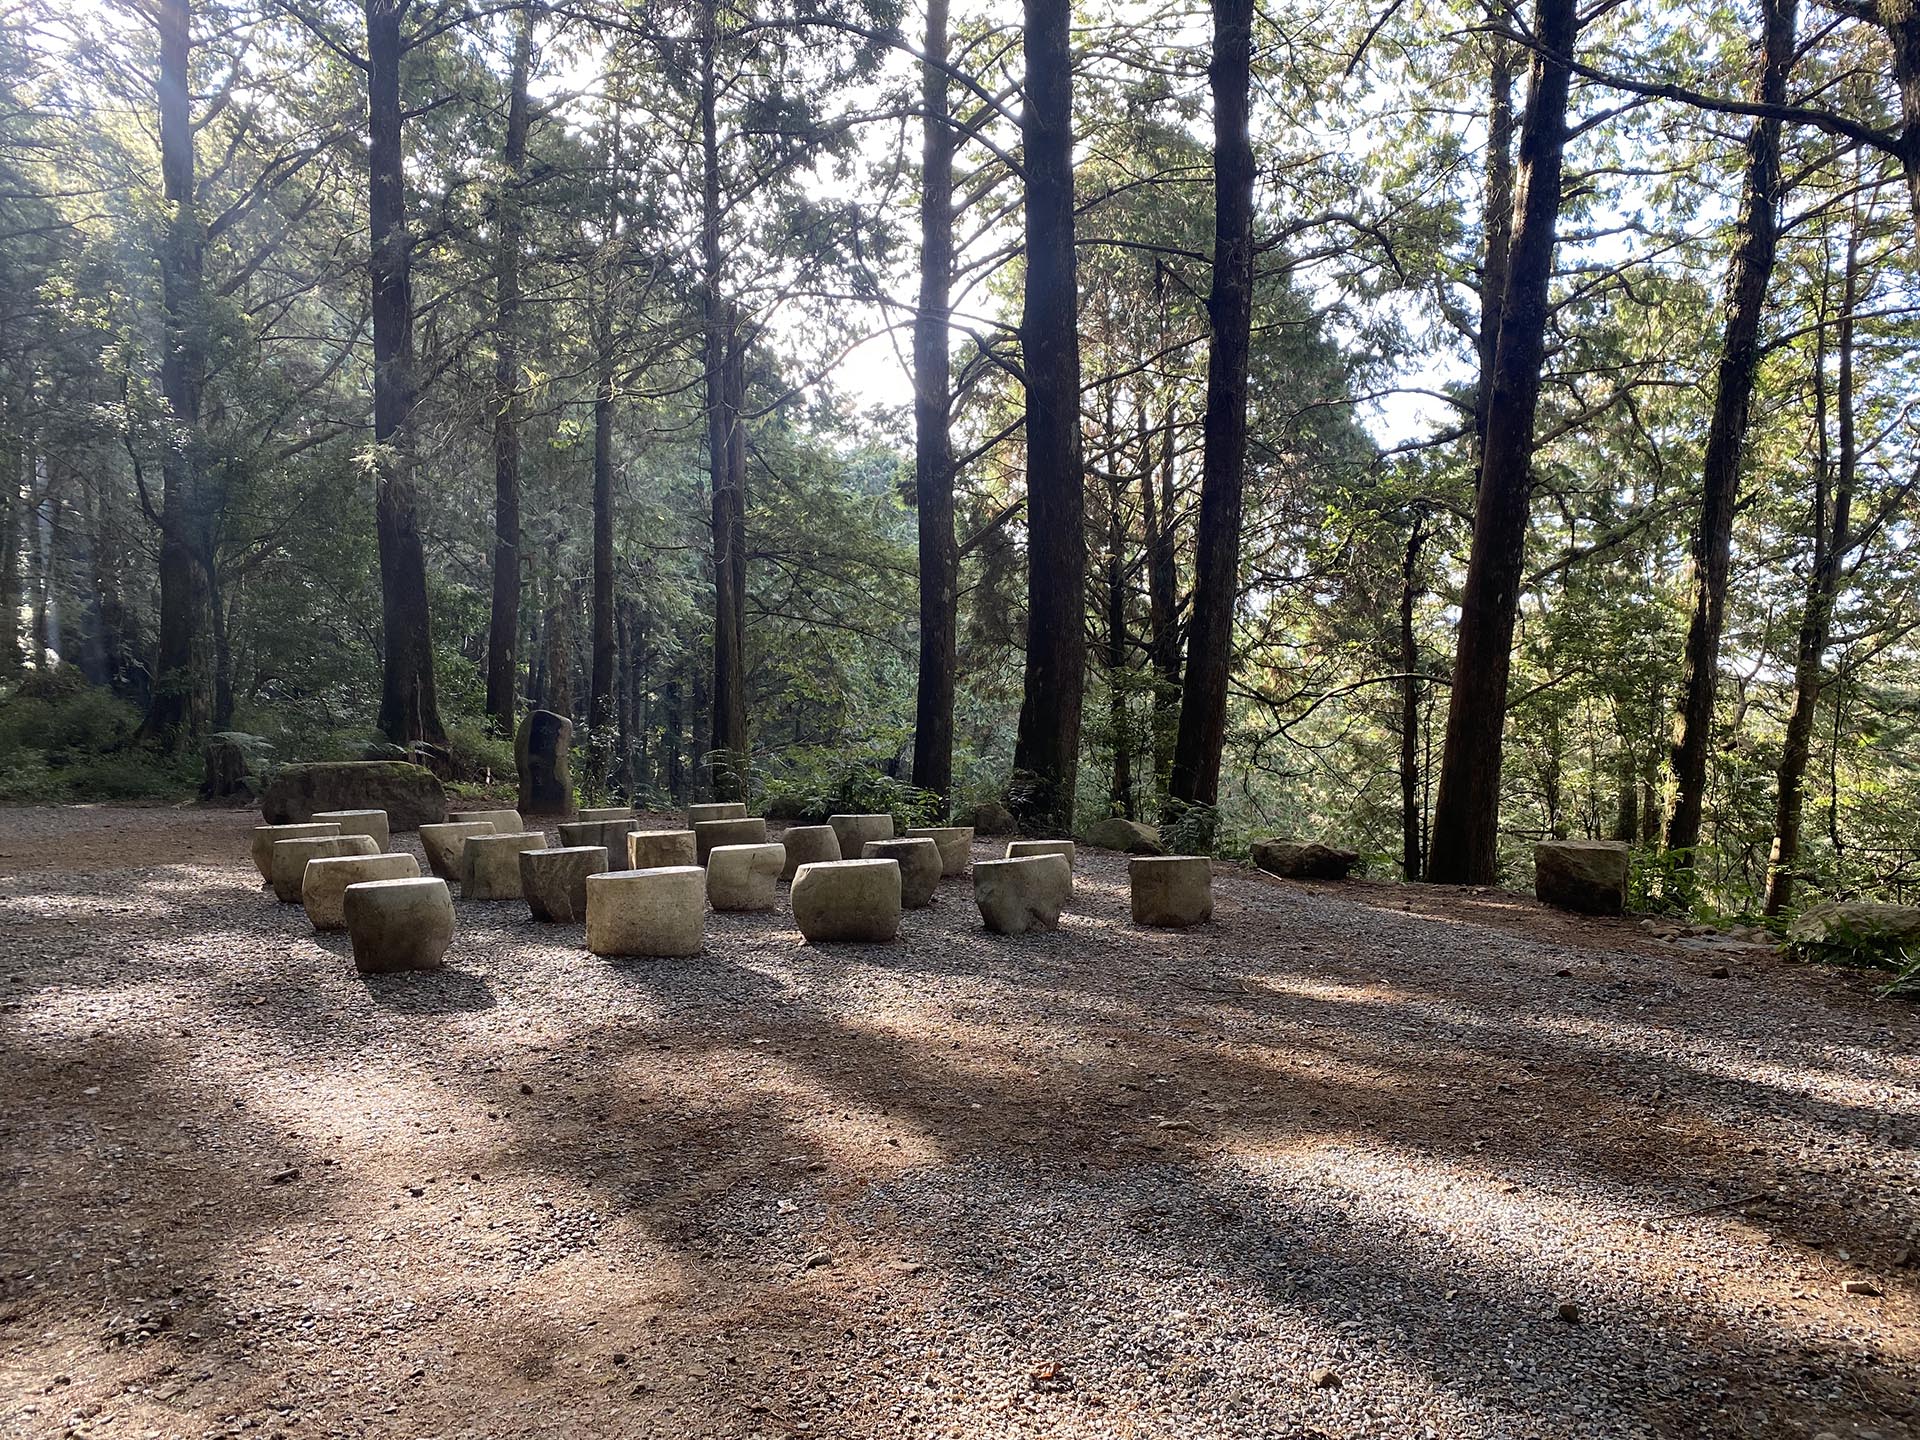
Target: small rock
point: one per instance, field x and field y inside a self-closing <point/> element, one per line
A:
<point x="526" y="1089"/>
<point x="286" y="1177"/>
<point x="1720" y="972"/>
<point x="1861" y="1287"/>
<point x="1569" y="1312"/>
<point x="1325" y="1379"/>
<point x="816" y="1260"/>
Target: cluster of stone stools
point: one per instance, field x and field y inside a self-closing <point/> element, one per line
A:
<point x="850" y="878"/>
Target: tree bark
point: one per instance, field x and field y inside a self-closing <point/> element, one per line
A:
<point x="1116" y="587"/>
<point x="1163" y="586"/>
<point x="1216" y="581"/>
<point x="11" y="461"/>
<point x="933" y="443"/>
<point x="1463" y="847"/>
<point x="600" y="682"/>
<point x="503" y="626"/>
<point x="1747" y="277"/>
<point x="1411" y="828"/>
<point x="1498" y="222"/>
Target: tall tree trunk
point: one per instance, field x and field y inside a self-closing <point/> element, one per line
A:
<point x="624" y="693"/>
<point x="176" y="711"/>
<point x="1046" y="753"/>
<point x="217" y="603"/>
<point x="559" y="668"/>
<point x="409" y="709"/>
<point x="11" y="461"/>
<point x="933" y="443"/>
<point x="1747" y="277"/>
<point x="1411" y="817"/>
<point x="1832" y="523"/>
<point x="1216" y="577"/>
<point x="1497" y="220"/>
<point x="503" y="625"/>
<point x="600" y="683"/>
<point x="1464" y="843"/>
<point x="1163" y="586"/>
<point x="1122" y="787"/>
<point x="46" y="593"/>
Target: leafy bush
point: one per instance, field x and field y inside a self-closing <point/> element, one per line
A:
<point x="809" y="784"/>
<point x="1189" y="829"/>
<point x="62" y="739"/>
<point x="478" y="757"/>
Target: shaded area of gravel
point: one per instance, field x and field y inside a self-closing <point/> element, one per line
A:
<point x="1363" y="1160"/>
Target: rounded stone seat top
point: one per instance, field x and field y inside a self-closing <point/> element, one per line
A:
<point x="660" y="911"/>
<point x="716" y="810"/>
<point x="360" y="822"/>
<point x="323" y="887"/>
<point x="490" y="864"/>
<point x="744" y="877"/>
<point x="398" y="924"/>
<point x="591" y="814"/>
<point x="657" y="849"/>
<point x="853" y="831"/>
<point x="920" y="867"/>
<point x="290" y="859"/>
<point x="1170" y="892"/>
<point x="1027" y="849"/>
<point x="505" y="822"/>
<point x="609" y="834"/>
<point x="264" y="837"/>
<point x="736" y="831"/>
<point x="848" y="900"/>
<point x="446" y="844"/>
<point x="955" y="842"/>
<point x="1026" y="892"/>
<point x="555" y="881"/>
<point x="808" y="845"/>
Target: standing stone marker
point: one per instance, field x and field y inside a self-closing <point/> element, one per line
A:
<point x="542" y="753"/>
<point x="1589" y="876"/>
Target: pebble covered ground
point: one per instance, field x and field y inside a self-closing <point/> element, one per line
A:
<point x="1362" y="1160"/>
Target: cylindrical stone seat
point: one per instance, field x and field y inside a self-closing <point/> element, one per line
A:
<point x="660" y="912"/>
<point x="490" y="865"/>
<point x="659" y="849"/>
<point x="717" y="810"/>
<point x="808" y="845"/>
<point x="504" y="822"/>
<point x="955" y="842"/>
<point x="592" y="813"/>
<point x="265" y="836"/>
<point x="853" y="831"/>
<point x="323" y="888"/>
<point x="609" y="835"/>
<point x="398" y="924"/>
<point x="744" y="877"/>
<point x="1025" y="893"/>
<point x="1026" y="849"/>
<point x="446" y="845"/>
<point x="555" y="881"/>
<point x="360" y="822"/>
<point x="849" y="900"/>
<point x="920" y="868"/>
<point x="709" y="833"/>
<point x="1171" y="892"/>
<point x="290" y="859"/>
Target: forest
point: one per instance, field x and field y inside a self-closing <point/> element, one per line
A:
<point x="1430" y="426"/>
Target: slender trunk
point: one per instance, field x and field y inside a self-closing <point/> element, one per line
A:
<point x="623" y="689"/>
<point x="1464" y="845"/>
<point x="1163" y="584"/>
<point x="176" y="711"/>
<point x="1410" y="699"/>
<point x="10" y="593"/>
<point x="1046" y="755"/>
<point x="1832" y="522"/>
<point x="933" y="444"/>
<point x="46" y="596"/>
<point x="675" y="740"/>
<point x="1216" y="579"/>
<point x="1497" y="221"/>
<point x="217" y="603"/>
<point x="1747" y="277"/>
<point x="600" y="685"/>
<point x="1902" y="25"/>
<point x="559" y="667"/>
<point x="1122" y="789"/>
<point x="409" y="709"/>
<point x="503" y="627"/>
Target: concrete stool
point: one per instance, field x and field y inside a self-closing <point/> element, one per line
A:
<point x="955" y="842"/>
<point x="398" y="924"/>
<point x="360" y="822"/>
<point x="853" y="831"/>
<point x="604" y="812"/>
<point x="609" y="835"/>
<point x="659" y="849"/>
<point x="446" y="845"/>
<point x="647" y="912"/>
<point x="856" y="900"/>
<point x="323" y="889"/>
<point x="1024" y="893"/>
<point x="1171" y="892"/>
<point x="264" y="837"/>
<point x="290" y="859"/>
<point x="719" y="810"/>
<point x="490" y="865"/>
<point x="555" y="881"/>
<point x="742" y="877"/>
<point x="504" y="822"/>
<point x="709" y="833"/>
<point x="1025" y="849"/>
<point x="920" y="868"/>
<point x="808" y="845"/>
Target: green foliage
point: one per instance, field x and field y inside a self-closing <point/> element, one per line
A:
<point x="480" y="758"/>
<point x="61" y="739"/>
<point x="813" y="782"/>
<point x="1190" y="829"/>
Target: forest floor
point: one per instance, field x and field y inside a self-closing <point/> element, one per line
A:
<point x="1351" y="1160"/>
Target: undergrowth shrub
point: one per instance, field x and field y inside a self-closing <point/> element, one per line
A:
<point x="810" y="784"/>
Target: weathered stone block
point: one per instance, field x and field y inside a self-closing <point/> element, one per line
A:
<point x="1589" y="876"/>
<point x="371" y="823"/>
<point x="744" y="877"/>
<point x="398" y="924"/>
<point x="1862" y="929"/>
<point x="808" y="845"/>
<point x="990" y="817"/>
<point x="589" y="814"/>
<point x="1027" y="849"/>
<point x="490" y="865"/>
<point x="555" y="881"/>
<point x="647" y="912"/>
<point x="504" y="822"/>
<point x="1025" y="893"/>
<point x="543" y="754"/>
<point x="1117" y="833"/>
<point x="853" y="831"/>
<point x="1303" y="859"/>
<point x="609" y="835"/>
<point x="290" y="859"/>
<point x="323" y="888"/>
<point x="411" y="795"/>
<point x="265" y="836"/>
<point x="446" y="845"/>
<point x="661" y="849"/>
<point x="709" y="833"/>
<point x="1171" y="892"/>
<point x="715" y="810"/>
<point x="848" y="900"/>
<point x="920" y="868"/>
<point x="955" y="842"/>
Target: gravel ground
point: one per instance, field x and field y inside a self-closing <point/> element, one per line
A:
<point x="1352" y="1160"/>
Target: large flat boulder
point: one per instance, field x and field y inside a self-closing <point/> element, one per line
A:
<point x="1857" y="930"/>
<point x="1303" y="859"/>
<point x="1588" y="876"/>
<point x="1130" y="836"/>
<point x="411" y="795"/>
